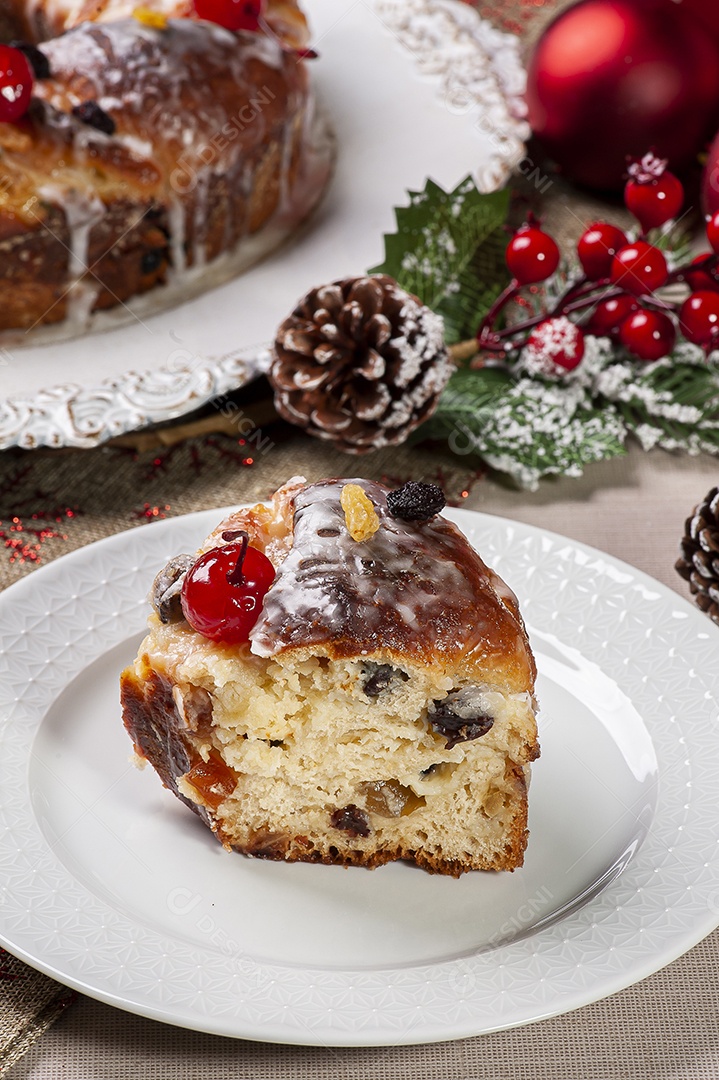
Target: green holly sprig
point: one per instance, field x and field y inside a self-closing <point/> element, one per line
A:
<point x="449" y="249"/>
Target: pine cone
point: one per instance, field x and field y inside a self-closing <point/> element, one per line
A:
<point x="359" y="362"/>
<point x="699" y="564"/>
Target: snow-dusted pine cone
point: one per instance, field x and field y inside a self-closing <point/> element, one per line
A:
<point x="359" y="362"/>
<point x="699" y="562"/>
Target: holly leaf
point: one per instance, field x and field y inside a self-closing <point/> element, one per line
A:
<point x="449" y="251"/>
<point x="525" y="427"/>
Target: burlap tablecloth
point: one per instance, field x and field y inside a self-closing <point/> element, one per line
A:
<point x="665" y="1028"/>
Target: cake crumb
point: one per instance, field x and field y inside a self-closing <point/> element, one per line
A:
<point x="360" y="514"/>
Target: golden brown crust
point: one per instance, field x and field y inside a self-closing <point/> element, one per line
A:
<point x="152" y="722"/>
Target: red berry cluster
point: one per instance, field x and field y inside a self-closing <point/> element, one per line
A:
<point x="616" y="295"/>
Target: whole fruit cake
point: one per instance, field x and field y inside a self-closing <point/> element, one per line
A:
<point x="142" y="148"/>
<point x="337" y="677"/>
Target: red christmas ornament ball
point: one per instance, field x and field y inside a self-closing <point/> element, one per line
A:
<point x="610" y="79"/>
<point x="706" y="11"/>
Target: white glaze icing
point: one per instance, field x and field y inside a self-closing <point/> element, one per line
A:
<point x="410" y="587"/>
<point x="83" y="210"/>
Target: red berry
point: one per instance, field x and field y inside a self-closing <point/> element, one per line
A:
<point x="648" y="335"/>
<point x="609" y="314"/>
<point x="597" y="247"/>
<point x="639" y="268"/>
<point x="222" y="593"/>
<point x="232" y="14"/>
<point x="532" y="255"/>
<point x="706" y="278"/>
<point x="713" y="232"/>
<point x="16" y="80"/>
<point x="699" y="317"/>
<point x="655" y="201"/>
<point x="554" y="343"/>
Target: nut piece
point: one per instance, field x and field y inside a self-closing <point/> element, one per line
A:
<point x="360" y="514"/>
<point x="167" y="588"/>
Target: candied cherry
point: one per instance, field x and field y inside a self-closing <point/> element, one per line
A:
<point x="609" y="315"/>
<point x="532" y="255"/>
<point x="222" y="593"/>
<point x="713" y="232"/>
<point x="597" y="247"/>
<point x="648" y="335"/>
<point x="232" y="14"/>
<point x="639" y="268"/>
<point x="16" y="79"/>
<point x="699" y="317"/>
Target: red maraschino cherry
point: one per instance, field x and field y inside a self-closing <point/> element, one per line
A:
<point x="16" y="79"/>
<point x="223" y="593"/>
<point x="232" y="14"/>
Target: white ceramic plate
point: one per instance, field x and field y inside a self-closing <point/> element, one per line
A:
<point x="414" y="88"/>
<point x="111" y="885"/>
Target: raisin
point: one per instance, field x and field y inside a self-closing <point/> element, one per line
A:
<point x="416" y="501"/>
<point x="379" y="676"/>
<point x="378" y="680"/>
<point x="351" y="820"/>
<point x="360" y="515"/>
<point x="36" y="59"/>
<point x="90" y="113"/>
<point x="458" y="719"/>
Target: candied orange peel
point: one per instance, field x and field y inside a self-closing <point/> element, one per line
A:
<point x="360" y="514"/>
<point x="148" y="17"/>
